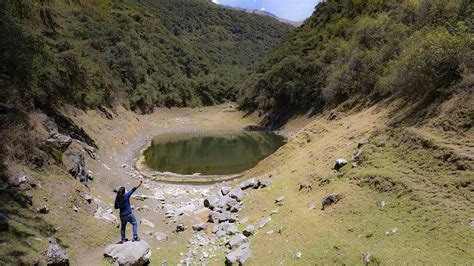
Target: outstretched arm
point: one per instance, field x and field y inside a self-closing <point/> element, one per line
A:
<point x="128" y="194"/>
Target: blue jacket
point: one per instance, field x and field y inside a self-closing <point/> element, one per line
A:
<point x="125" y="208"/>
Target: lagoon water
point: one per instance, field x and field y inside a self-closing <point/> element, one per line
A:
<point x="210" y="153"/>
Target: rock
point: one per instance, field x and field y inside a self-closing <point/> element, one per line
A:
<point x="471" y="224"/>
<point x="147" y="223"/>
<point x="340" y="163"/>
<point x="236" y="240"/>
<point x="225" y="190"/>
<point x="236" y="194"/>
<point x="279" y="200"/>
<point x="91" y="151"/>
<point x="129" y="253"/>
<point x="59" y="141"/>
<point x="264" y="221"/>
<point x="145" y="208"/>
<point x="366" y="258"/>
<point x="43" y="209"/>
<point x="4" y="225"/>
<point x="161" y="236"/>
<point x="329" y="200"/>
<point x="55" y="254"/>
<point x="21" y="179"/>
<point x="239" y="256"/>
<point x="212" y="201"/>
<point x="180" y="228"/>
<point x="268" y="233"/>
<point x="312" y="206"/>
<point x="356" y="157"/>
<point x="140" y="197"/>
<point x="306" y="186"/>
<point x="217" y="217"/>
<point x="261" y="183"/>
<point x="297" y="256"/>
<point x="75" y="208"/>
<point x="247" y="184"/>
<point x="76" y="165"/>
<point x="232" y="203"/>
<point x="381" y="143"/>
<point x="200" y="227"/>
<point x="88" y="198"/>
<point x="106" y="214"/>
<point x="362" y="143"/>
<point x="249" y="230"/>
<point x="382" y="205"/>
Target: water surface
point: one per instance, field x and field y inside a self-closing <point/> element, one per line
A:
<point x="214" y="153"/>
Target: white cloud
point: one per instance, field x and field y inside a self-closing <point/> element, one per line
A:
<point x="215" y="1"/>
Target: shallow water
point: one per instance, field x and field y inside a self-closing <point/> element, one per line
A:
<point x="210" y="153"/>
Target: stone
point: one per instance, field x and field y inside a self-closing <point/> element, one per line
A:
<point x="129" y="253"/>
<point x="329" y="200"/>
<point x="88" y="198"/>
<point x="236" y="240"/>
<point x="4" y="224"/>
<point x="270" y="232"/>
<point x="161" y="236"/>
<point x="91" y="151"/>
<point x="279" y="200"/>
<point x="471" y="224"/>
<point x="236" y="194"/>
<point x="59" y="141"/>
<point x="55" y="254"/>
<point x="249" y="230"/>
<point x="362" y="143"/>
<point x="340" y="163"/>
<point x="21" y="179"/>
<point x="147" y="223"/>
<point x="225" y="190"/>
<point x="180" y="228"/>
<point x="239" y="256"/>
<point x="297" y="256"/>
<point x="43" y="209"/>
<point x="145" y="208"/>
<point x="381" y="143"/>
<point x="366" y="258"/>
<point x="106" y="214"/>
<point x="200" y="227"/>
<point x="312" y="206"/>
<point x="140" y="197"/>
<point x="212" y="201"/>
<point x="262" y="183"/>
<point x="264" y="222"/>
<point x="247" y="184"/>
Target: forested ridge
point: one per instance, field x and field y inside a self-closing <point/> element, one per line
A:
<point x="418" y="50"/>
<point x="140" y="54"/>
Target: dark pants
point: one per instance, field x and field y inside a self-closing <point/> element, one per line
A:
<point x="129" y="219"/>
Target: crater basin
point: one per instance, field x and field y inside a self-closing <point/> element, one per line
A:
<point x="209" y="153"/>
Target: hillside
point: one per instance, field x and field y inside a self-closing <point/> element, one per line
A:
<point x="269" y="14"/>
<point x="138" y="53"/>
<point x="366" y="51"/>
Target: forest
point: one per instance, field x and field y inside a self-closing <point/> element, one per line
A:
<point x="140" y="54"/>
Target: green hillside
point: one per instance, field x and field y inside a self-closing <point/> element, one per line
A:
<point x="137" y="53"/>
<point x="369" y="50"/>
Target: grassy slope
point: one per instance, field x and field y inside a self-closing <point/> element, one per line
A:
<point x="427" y="198"/>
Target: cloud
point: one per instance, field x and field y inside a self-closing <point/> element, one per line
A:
<point x="215" y="1"/>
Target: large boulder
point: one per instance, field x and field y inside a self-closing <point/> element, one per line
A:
<point x="129" y="253"/>
<point x="59" y="141"/>
<point x="212" y="201"/>
<point x="55" y="254"/>
<point x="236" y="194"/>
<point x="4" y="225"/>
<point x="239" y="256"/>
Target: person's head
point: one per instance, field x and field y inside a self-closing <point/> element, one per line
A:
<point x="119" y="197"/>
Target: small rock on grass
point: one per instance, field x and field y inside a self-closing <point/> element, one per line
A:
<point x="200" y="227"/>
<point x="341" y="162"/>
<point x="330" y="199"/>
<point x="279" y="200"/>
<point x="147" y="223"/>
<point x="264" y="222"/>
<point x="161" y="236"/>
<point x="249" y="230"/>
<point x="55" y="254"/>
<point x="43" y="209"/>
<point x="297" y="256"/>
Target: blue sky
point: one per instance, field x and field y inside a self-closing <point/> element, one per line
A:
<point x="289" y="9"/>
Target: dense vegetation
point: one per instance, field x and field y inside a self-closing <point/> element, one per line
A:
<point x="417" y="49"/>
<point x="138" y="53"/>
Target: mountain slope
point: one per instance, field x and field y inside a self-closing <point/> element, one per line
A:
<point x="368" y="50"/>
<point x="99" y="52"/>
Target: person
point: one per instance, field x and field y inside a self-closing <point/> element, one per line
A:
<point x="122" y="202"/>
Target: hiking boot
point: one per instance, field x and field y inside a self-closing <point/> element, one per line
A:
<point x="136" y="239"/>
<point x="123" y="241"/>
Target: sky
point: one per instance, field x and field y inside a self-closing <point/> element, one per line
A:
<point x="296" y="10"/>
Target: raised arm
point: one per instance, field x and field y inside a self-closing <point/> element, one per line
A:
<point x="128" y="194"/>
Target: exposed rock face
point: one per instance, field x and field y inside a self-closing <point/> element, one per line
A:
<point x="76" y="165"/>
<point x="239" y="256"/>
<point x="340" y="163"/>
<point x="4" y="225"/>
<point x="59" y="141"/>
<point x="329" y="200"/>
<point x="55" y="254"/>
<point x="129" y="253"/>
